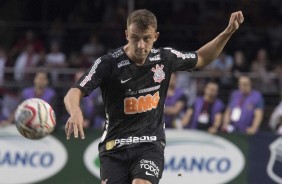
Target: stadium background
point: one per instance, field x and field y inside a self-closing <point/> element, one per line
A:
<point x="183" y="24"/>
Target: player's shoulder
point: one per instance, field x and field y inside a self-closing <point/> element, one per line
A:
<point x="118" y="57"/>
<point x="110" y="58"/>
<point x="155" y="55"/>
<point x="160" y="53"/>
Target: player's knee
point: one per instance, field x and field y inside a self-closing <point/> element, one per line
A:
<point x="140" y="181"/>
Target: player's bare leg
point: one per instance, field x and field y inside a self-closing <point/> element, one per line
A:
<point x="140" y="181"/>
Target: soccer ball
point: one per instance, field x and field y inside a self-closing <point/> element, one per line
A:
<point x="35" y="118"/>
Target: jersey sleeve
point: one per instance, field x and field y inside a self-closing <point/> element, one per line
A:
<point x="181" y="61"/>
<point x="95" y="76"/>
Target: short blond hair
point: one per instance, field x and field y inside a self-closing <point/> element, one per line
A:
<point x="143" y="19"/>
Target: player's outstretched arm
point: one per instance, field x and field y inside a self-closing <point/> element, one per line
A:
<point x="75" y="121"/>
<point x="211" y="50"/>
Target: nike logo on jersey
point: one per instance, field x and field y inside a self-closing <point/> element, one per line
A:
<point x="147" y="173"/>
<point x="124" y="81"/>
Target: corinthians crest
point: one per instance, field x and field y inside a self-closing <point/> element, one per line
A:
<point x="159" y="74"/>
<point x="274" y="166"/>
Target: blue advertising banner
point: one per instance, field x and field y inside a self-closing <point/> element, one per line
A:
<point x="265" y="159"/>
<point x="190" y="157"/>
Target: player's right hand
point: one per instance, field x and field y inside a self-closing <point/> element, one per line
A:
<point x="75" y="125"/>
<point x="235" y="20"/>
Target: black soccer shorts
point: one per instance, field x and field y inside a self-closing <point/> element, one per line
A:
<point x="144" y="161"/>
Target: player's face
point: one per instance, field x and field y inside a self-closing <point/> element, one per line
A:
<point x="140" y="41"/>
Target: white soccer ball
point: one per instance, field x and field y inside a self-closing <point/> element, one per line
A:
<point x="35" y="118"/>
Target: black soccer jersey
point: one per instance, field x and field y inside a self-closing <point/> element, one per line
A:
<point x="134" y="95"/>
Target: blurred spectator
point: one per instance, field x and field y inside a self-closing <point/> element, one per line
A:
<point x="240" y="64"/>
<point x="275" y="121"/>
<point x="99" y="115"/>
<point x="262" y="67"/>
<point x="76" y="61"/>
<point x="189" y="85"/>
<point x="2" y="117"/>
<point x="8" y="105"/>
<point x="28" y="58"/>
<point x="261" y="62"/>
<point x="55" y="59"/>
<point x="56" y="33"/>
<point x="245" y="109"/>
<point x="278" y="73"/>
<point x="274" y="31"/>
<point x="113" y="24"/>
<point x="206" y="112"/>
<point x="222" y="67"/>
<point x="174" y="104"/>
<point x="240" y="67"/>
<point x="40" y="89"/>
<point x="28" y="39"/>
<point x="92" y="50"/>
<point x="3" y="60"/>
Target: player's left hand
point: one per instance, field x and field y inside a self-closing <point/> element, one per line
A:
<point x="74" y="125"/>
<point x="235" y="20"/>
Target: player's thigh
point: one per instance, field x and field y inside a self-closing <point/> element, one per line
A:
<point x="149" y="164"/>
<point x="114" y="168"/>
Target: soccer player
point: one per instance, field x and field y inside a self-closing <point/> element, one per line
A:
<point x="134" y="80"/>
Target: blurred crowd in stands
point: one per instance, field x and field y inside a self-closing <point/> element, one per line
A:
<point x="43" y="52"/>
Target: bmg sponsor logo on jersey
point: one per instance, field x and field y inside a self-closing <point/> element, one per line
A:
<point x="201" y="158"/>
<point x="151" y="168"/>
<point x="133" y="105"/>
<point x="20" y="157"/>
